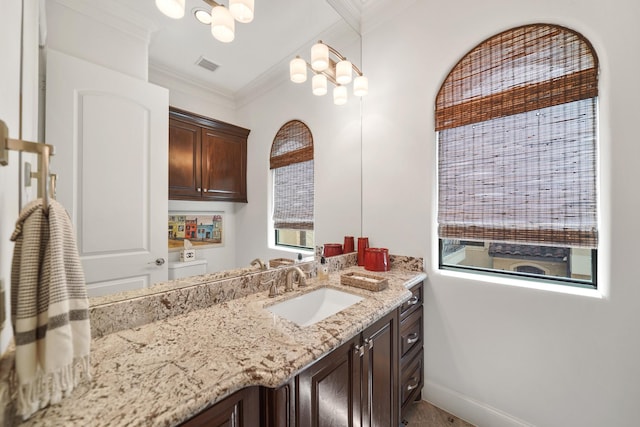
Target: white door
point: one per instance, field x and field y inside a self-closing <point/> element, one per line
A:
<point x="110" y="133"/>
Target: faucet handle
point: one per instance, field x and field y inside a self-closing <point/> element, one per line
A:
<point x="273" y="287"/>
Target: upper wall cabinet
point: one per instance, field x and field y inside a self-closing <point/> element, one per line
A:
<point x="207" y="158"/>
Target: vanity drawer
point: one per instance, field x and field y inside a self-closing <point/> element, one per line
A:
<point x="411" y="332"/>
<point x="413" y="302"/>
<point x="412" y="379"/>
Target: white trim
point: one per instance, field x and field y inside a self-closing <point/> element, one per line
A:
<point x="172" y="80"/>
<point x="469" y="409"/>
<point x="350" y="11"/>
<point x="496" y="278"/>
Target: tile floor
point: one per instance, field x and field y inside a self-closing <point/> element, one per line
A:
<point x="424" y="414"/>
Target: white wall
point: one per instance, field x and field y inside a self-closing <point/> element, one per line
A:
<point x="9" y="113"/>
<point x="199" y="100"/>
<point x="495" y="354"/>
<point x="13" y="191"/>
<point x="336" y="138"/>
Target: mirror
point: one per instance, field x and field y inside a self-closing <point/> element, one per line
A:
<point x="262" y="102"/>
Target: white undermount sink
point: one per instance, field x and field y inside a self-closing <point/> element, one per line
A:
<point x="314" y="306"/>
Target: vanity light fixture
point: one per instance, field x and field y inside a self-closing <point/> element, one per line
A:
<point x="221" y="19"/>
<point x="338" y="71"/>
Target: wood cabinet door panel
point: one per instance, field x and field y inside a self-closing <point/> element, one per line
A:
<point x="224" y="164"/>
<point x="241" y="409"/>
<point x="184" y="160"/>
<point x="381" y="342"/>
<point x="327" y="389"/>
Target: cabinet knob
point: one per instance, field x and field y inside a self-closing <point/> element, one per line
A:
<point x="413" y="337"/>
<point x="198" y="189"/>
<point x="158" y="261"/>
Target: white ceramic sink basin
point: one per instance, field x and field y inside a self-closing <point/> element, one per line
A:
<point x="314" y="306"/>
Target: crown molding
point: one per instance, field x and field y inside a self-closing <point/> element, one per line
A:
<point x="166" y="77"/>
<point x="114" y="15"/>
<point x="350" y="11"/>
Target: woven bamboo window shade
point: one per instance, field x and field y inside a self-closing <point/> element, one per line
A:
<point x="292" y="163"/>
<point x="516" y="122"/>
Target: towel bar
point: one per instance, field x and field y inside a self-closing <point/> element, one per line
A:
<point x="44" y="150"/>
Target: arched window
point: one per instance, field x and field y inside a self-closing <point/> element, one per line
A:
<point x="291" y="160"/>
<point x="517" y="137"/>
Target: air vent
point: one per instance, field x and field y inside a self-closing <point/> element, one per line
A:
<point x="205" y="63"/>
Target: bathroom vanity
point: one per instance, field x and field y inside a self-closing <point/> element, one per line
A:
<point x="237" y="362"/>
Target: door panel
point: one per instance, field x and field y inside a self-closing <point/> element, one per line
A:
<point x="110" y="135"/>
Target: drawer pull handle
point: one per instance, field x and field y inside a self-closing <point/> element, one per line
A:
<point x="414" y="300"/>
<point x="413" y="337"/>
<point x="359" y="350"/>
<point x="413" y="385"/>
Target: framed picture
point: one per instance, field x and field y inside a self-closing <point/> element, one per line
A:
<point x="202" y="229"/>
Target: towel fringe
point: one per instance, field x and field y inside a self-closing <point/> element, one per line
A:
<point x="51" y="387"/>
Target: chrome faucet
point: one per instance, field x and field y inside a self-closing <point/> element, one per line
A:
<point x="260" y="263"/>
<point x="302" y="278"/>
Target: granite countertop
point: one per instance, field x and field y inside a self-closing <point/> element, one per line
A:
<point x="165" y="372"/>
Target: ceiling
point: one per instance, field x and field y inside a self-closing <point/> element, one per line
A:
<point x="279" y="30"/>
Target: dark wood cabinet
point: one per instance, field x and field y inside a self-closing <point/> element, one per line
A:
<point x="327" y="391"/>
<point x="207" y="158"/>
<point x="411" y="347"/>
<point x="241" y="409"/>
<point x="355" y="385"/>
<point x="366" y="382"/>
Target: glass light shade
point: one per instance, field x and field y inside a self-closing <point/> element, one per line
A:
<point x="319" y="57"/>
<point x="298" y="70"/>
<point x="242" y="10"/>
<point x="343" y="72"/>
<point x="319" y="84"/>
<point x="360" y="86"/>
<point x="203" y="16"/>
<point x="222" y="24"/>
<point x="340" y="95"/>
<point x="172" y="8"/>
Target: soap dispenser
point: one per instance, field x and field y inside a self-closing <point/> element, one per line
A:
<point x="323" y="271"/>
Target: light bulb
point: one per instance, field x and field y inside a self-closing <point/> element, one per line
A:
<point x="360" y="86"/>
<point x="340" y="95"/>
<point x="242" y="10"/>
<point x="222" y="24"/>
<point x="343" y="72"/>
<point x="298" y="70"/>
<point x="172" y="8"/>
<point x="319" y="56"/>
<point x="319" y="84"/>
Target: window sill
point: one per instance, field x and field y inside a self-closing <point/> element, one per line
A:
<point x="558" y="287"/>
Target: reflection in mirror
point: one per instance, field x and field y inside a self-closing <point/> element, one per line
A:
<point x="250" y="87"/>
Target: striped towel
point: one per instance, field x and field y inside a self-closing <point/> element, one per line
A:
<point x="49" y="308"/>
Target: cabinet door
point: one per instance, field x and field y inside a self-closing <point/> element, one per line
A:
<point x="224" y="163"/>
<point x="184" y="160"/>
<point x="327" y="390"/>
<point x="380" y="404"/>
<point x="241" y="409"/>
<point x="278" y="405"/>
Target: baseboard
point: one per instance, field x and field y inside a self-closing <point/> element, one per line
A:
<point x="464" y="407"/>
